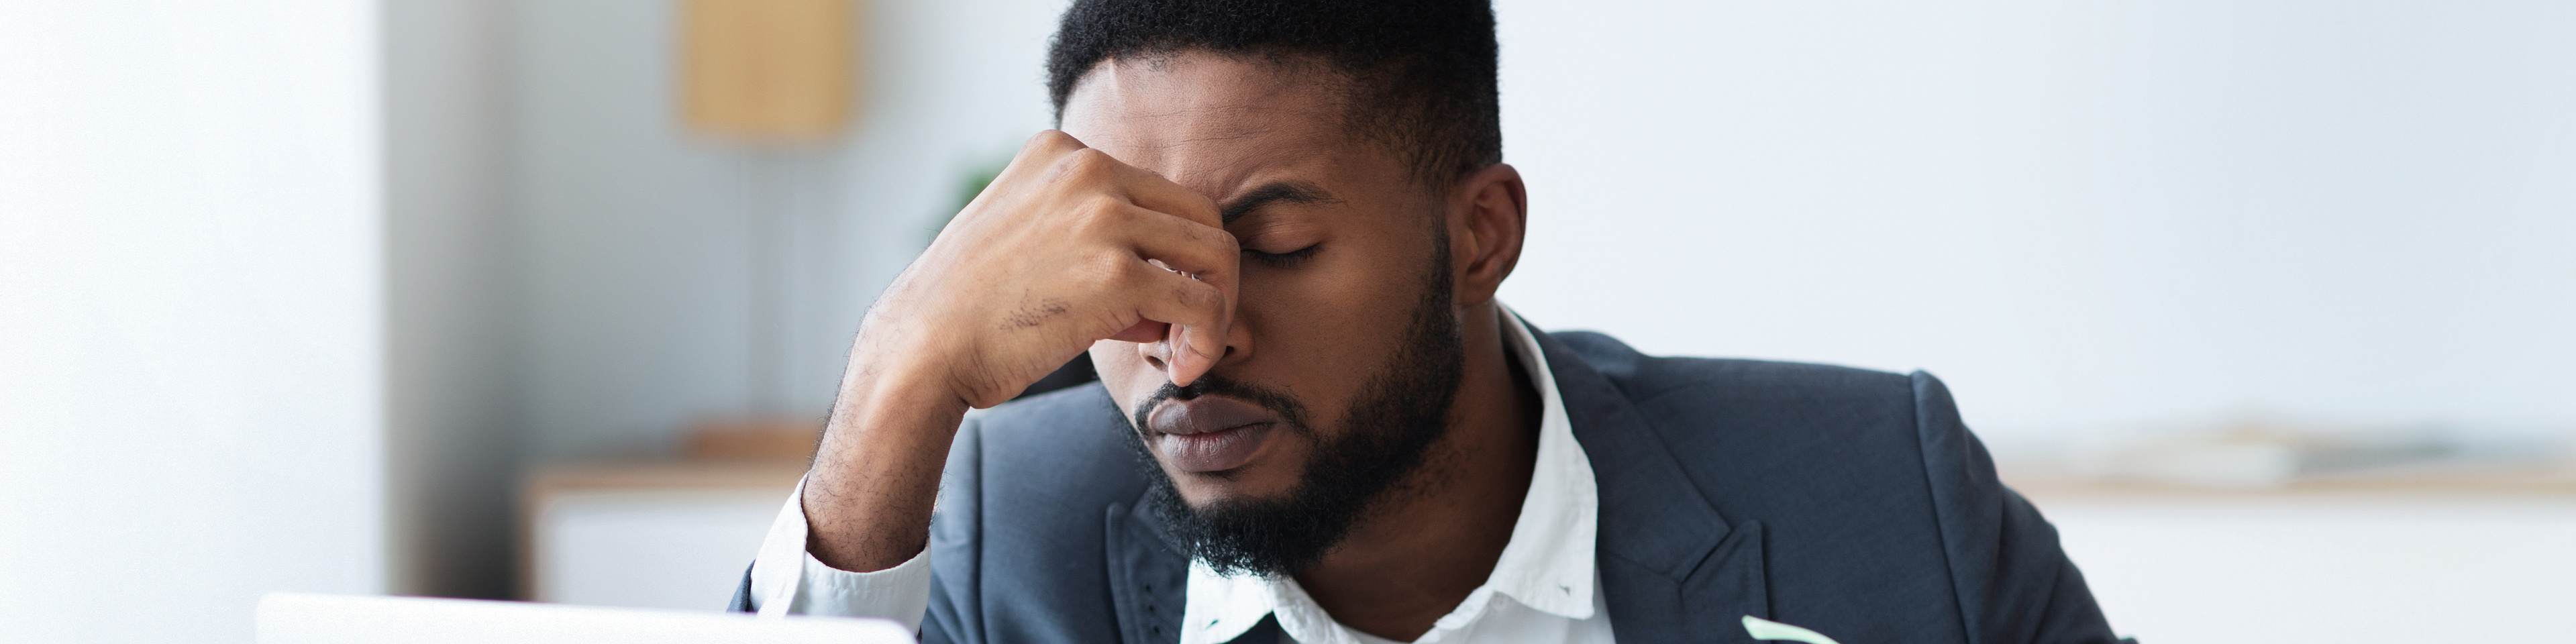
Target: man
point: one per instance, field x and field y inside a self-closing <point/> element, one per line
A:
<point x="1277" y="228"/>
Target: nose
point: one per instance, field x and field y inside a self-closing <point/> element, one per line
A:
<point x="1238" y="347"/>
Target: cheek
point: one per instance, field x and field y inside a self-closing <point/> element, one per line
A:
<point x="1321" y="333"/>
<point x="1332" y="317"/>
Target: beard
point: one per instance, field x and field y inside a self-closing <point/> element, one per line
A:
<point x="1400" y="411"/>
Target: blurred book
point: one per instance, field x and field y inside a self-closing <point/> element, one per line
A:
<point x="752" y="438"/>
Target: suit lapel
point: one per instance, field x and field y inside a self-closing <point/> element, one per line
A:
<point x="1672" y="569"/>
<point x="1148" y="578"/>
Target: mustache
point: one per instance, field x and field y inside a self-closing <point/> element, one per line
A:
<point x="1289" y="409"/>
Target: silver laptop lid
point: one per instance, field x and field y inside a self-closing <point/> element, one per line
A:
<point x="300" y="618"/>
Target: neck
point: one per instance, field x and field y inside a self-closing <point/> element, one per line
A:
<point x="1411" y="561"/>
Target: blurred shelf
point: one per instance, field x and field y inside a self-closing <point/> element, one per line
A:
<point x="692" y="474"/>
<point x="2546" y="481"/>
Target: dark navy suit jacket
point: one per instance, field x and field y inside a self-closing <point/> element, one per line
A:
<point x="1847" y="501"/>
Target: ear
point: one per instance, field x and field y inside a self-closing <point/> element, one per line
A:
<point x="1488" y="216"/>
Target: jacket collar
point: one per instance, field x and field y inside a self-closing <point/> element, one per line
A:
<point x="1670" y="565"/>
<point x="1651" y="513"/>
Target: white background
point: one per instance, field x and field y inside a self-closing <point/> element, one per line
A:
<point x="190" y="412"/>
<point x="2079" y="213"/>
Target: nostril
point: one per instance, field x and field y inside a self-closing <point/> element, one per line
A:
<point x="1154" y="361"/>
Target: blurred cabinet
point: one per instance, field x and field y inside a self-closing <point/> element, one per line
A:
<point x="2462" y="558"/>
<point x="648" y="534"/>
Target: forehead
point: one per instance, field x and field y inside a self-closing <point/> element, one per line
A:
<point x="1216" y="123"/>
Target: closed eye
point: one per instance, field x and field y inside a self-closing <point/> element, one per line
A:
<point x="1283" y="260"/>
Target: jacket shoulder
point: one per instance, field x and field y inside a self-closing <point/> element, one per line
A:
<point x="1752" y="430"/>
<point x="1045" y="454"/>
<point x="1020" y="533"/>
<point x="1642" y="377"/>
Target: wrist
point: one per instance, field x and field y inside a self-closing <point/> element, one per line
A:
<point x="893" y="400"/>
<point x="868" y="499"/>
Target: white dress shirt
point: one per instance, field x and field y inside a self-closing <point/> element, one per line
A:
<point x="1543" y="588"/>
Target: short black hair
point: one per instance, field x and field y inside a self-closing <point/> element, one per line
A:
<point x="1422" y="71"/>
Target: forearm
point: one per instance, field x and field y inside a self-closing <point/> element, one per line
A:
<point x="868" y="500"/>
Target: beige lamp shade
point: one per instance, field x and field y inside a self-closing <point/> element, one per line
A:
<point x="769" y="71"/>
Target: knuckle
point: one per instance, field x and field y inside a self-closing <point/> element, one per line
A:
<point x="1087" y="165"/>
<point x="1049" y="140"/>
<point x="1104" y="267"/>
<point x="1098" y="216"/>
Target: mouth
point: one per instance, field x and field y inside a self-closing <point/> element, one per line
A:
<point x="1214" y="452"/>
<point x="1209" y="434"/>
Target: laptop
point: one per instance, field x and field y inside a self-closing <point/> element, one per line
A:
<point x="302" y="618"/>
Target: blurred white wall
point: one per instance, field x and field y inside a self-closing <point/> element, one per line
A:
<point x="190" y="412"/>
<point x="2078" y="213"/>
<point x="2081" y="214"/>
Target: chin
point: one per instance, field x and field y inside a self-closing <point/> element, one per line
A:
<point x="1204" y="489"/>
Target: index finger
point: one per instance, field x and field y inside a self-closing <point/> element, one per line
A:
<point x="1153" y="192"/>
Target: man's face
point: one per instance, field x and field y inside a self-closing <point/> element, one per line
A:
<point x="1337" y="369"/>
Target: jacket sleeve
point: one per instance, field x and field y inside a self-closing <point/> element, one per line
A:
<point x="956" y="545"/>
<point x="951" y="612"/>
<point x="2013" y="583"/>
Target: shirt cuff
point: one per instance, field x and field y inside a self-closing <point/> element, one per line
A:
<point x="786" y="579"/>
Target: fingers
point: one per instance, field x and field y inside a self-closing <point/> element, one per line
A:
<point x="1197" y="312"/>
<point x="1209" y="259"/>
<point x="1084" y="164"/>
<point x="1189" y="247"/>
<point x="1158" y="194"/>
<point x="1182" y="283"/>
<point x="1143" y="332"/>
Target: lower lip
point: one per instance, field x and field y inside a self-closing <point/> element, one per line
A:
<point x="1215" y="451"/>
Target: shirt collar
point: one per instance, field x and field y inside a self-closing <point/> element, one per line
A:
<point x="1547" y="566"/>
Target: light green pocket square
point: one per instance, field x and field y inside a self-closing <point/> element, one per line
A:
<point x="1763" y="629"/>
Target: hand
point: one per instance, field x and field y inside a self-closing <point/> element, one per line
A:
<point x="1066" y="247"/>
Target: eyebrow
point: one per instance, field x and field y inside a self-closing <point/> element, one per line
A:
<point x="1298" y="192"/>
